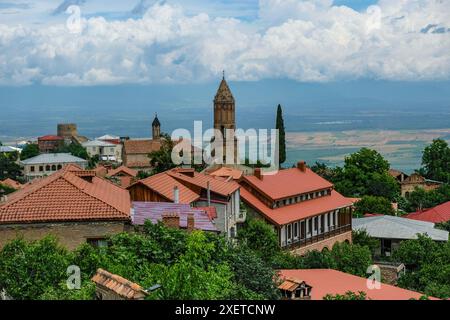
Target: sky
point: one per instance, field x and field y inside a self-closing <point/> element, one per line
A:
<point x="104" y="42"/>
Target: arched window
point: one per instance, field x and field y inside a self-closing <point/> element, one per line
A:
<point x="59" y="167"/>
<point x="53" y="167"/>
<point x="47" y="168"/>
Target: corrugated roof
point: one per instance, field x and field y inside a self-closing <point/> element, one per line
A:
<point x="438" y="214"/>
<point x="119" y="285"/>
<point x="391" y="227"/>
<point x="328" y="281"/>
<point x="288" y="183"/>
<point x="54" y="158"/>
<point x="164" y="184"/>
<point x="153" y="211"/>
<point x="97" y="143"/>
<point x="66" y="196"/>
<point x="297" y="211"/>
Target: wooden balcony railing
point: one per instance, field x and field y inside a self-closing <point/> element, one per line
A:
<point x="326" y="235"/>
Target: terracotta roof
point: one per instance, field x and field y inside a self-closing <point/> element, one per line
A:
<point x="121" y="286"/>
<point x="164" y="184"/>
<point x="123" y="169"/>
<point x="291" y="284"/>
<point x="66" y="196"/>
<point x="287" y="183"/>
<point x="153" y="211"/>
<point x="11" y="183"/>
<point x="141" y="146"/>
<point x="328" y="281"/>
<point x="50" y="138"/>
<point x="297" y="211"/>
<point x="101" y="171"/>
<point x="210" y="211"/>
<point x="395" y="173"/>
<point x="438" y="214"/>
<point x="227" y="172"/>
<point x="201" y="180"/>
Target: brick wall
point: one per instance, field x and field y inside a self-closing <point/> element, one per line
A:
<point x="70" y="235"/>
<point x="327" y="243"/>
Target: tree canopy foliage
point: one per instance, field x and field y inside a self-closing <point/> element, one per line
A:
<point x="29" y="151"/>
<point x="372" y="204"/>
<point x="436" y="161"/>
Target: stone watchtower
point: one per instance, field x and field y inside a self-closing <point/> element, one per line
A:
<point x="156" y="128"/>
<point x="224" y="112"/>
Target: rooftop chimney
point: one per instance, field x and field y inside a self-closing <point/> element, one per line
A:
<point x="176" y="195"/>
<point x="190" y="222"/>
<point x="258" y="173"/>
<point x="301" y="165"/>
<point x="208" y="193"/>
<point x="171" y="220"/>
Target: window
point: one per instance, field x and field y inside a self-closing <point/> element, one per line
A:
<point x="328" y="220"/>
<point x="53" y="167"/>
<point x="97" y="242"/>
<point x="59" y="167"/>
<point x="295" y="230"/>
<point x="32" y="168"/>
<point x="316" y="223"/>
<point x="47" y="168"/>
<point x="289" y="231"/>
<point x="302" y="229"/>
<point x="309" y="225"/>
<point x="41" y="168"/>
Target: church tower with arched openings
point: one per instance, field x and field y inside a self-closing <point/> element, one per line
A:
<point x="224" y="113"/>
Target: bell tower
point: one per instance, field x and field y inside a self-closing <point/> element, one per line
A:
<point x="156" y="128"/>
<point x="224" y="113"/>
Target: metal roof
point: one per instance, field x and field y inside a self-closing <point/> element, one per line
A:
<point x="391" y="227"/>
<point x="97" y="143"/>
<point x="54" y="158"/>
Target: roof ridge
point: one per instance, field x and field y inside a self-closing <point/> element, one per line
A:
<point x="83" y="189"/>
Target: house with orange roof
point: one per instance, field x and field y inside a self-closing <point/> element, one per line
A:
<point x="73" y="204"/>
<point x="124" y="176"/>
<point x="304" y="209"/>
<point x="11" y="183"/>
<point x="315" y="284"/>
<point x="197" y="189"/>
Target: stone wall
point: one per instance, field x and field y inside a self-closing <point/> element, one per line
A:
<point x="70" y="235"/>
<point x="327" y="243"/>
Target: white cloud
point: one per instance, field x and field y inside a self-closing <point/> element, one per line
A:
<point x="302" y="40"/>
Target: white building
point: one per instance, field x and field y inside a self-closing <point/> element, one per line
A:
<point x="48" y="163"/>
<point x="107" y="151"/>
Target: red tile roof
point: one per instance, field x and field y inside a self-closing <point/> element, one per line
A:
<point x="328" y="281"/>
<point x="164" y="184"/>
<point x="288" y="183"/>
<point x="66" y="196"/>
<point x="438" y="214"/>
<point x="123" y="170"/>
<point x="50" y="138"/>
<point x="210" y="211"/>
<point x="297" y="211"/>
<point x="201" y="180"/>
<point x="119" y="285"/>
<point x="227" y="172"/>
<point x="11" y="183"/>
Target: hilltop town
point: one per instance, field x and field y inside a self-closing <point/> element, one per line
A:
<point x="138" y="226"/>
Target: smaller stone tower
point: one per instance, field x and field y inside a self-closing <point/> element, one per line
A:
<point x="156" y="128"/>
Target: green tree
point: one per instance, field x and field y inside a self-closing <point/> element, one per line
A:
<point x="421" y="199"/>
<point x="29" y="151"/>
<point x="9" y="168"/>
<point x="161" y="160"/>
<point x="372" y="204"/>
<point x="351" y="258"/>
<point x="28" y="269"/>
<point x="436" y="161"/>
<point x="282" y="135"/>
<point x="363" y="239"/>
<point x="365" y="173"/>
<point x="349" y="295"/>
<point x="260" y="237"/>
<point x="324" y="171"/>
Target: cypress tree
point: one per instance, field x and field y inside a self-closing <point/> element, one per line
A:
<point x="282" y="134"/>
